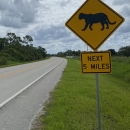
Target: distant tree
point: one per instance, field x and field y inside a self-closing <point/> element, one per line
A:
<point x="78" y="53"/>
<point x="124" y="51"/>
<point x="69" y="53"/>
<point x="74" y="53"/>
<point x="3" y="43"/>
<point x="11" y="37"/>
<point x="12" y="48"/>
<point x="41" y="51"/>
<point x="18" y="39"/>
<point x="113" y="52"/>
<point x="27" y="39"/>
<point x="60" y="54"/>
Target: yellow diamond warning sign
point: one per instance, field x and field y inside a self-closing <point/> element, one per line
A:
<point x="94" y="22"/>
<point x="96" y="62"/>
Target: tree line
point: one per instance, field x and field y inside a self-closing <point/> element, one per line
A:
<point x="123" y="51"/>
<point x="15" y="48"/>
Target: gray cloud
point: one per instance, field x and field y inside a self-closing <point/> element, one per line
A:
<point x="18" y="13"/>
<point x="120" y="2"/>
<point x="3" y="4"/>
<point x="54" y="32"/>
<point x="126" y="10"/>
<point x="124" y="29"/>
<point x="12" y="22"/>
<point x="64" y="3"/>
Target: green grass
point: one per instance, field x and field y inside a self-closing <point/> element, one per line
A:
<point x="115" y="97"/>
<point x="121" y="59"/>
<point x="13" y="63"/>
<point x="121" y="68"/>
<point x="72" y="104"/>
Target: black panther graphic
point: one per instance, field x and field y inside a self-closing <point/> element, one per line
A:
<point x="90" y="19"/>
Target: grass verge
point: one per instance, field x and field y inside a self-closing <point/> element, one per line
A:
<point x="121" y="68"/>
<point x="13" y="63"/>
<point x="72" y="104"/>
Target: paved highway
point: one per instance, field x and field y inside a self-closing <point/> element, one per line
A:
<point x="19" y="109"/>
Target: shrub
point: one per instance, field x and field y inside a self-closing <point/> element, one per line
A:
<point x="3" y="60"/>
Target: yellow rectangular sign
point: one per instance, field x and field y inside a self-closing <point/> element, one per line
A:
<point x="96" y="62"/>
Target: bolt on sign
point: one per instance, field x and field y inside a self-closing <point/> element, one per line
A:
<point x="94" y="22"/>
<point x="96" y="62"/>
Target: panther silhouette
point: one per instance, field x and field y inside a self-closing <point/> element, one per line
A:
<point x="91" y="19"/>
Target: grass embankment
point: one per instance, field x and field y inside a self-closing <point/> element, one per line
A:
<point x="73" y="103"/>
<point x="121" y="68"/>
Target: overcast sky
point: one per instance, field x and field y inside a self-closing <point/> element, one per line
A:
<point x="45" y="20"/>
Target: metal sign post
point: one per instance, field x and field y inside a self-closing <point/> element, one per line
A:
<point x="98" y="103"/>
<point x="98" y="100"/>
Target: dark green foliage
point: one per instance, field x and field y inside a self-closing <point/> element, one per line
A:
<point x="124" y="51"/>
<point x="69" y="53"/>
<point x="113" y="52"/>
<point x="14" y="48"/>
<point x="3" y="60"/>
<point x="27" y="39"/>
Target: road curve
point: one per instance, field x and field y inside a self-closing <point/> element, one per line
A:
<point x="19" y="112"/>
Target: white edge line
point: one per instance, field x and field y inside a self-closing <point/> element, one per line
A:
<point x="15" y="95"/>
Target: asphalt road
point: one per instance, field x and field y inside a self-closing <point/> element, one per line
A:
<point x="18" y="113"/>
